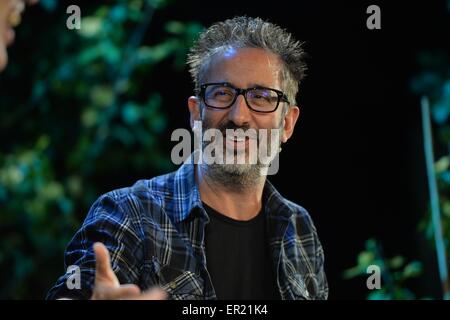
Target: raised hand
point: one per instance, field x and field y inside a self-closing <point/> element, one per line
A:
<point x="107" y="286"/>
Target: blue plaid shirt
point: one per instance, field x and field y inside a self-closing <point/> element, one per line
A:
<point x="155" y="230"/>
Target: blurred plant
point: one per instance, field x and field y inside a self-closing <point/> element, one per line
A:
<point x="395" y="272"/>
<point x="434" y="82"/>
<point x="91" y="113"/>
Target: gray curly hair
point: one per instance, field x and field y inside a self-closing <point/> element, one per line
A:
<point x="241" y="32"/>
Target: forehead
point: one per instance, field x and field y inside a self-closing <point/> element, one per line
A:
<point x="245" y="67"/>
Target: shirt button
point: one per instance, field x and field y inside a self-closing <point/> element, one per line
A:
<point x="172" y="285"/>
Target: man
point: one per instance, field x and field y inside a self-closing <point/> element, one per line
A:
<point x="212" y="230"/>
<point x="10" y="17"/>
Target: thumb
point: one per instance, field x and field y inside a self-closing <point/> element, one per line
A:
<point x="103" y="270"/>
<point x="155" y="293"/>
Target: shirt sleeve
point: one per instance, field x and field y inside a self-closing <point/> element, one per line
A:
<point x="119" y="231"/>
<point x="317" y="280"/>
<point x="322" y="293"/>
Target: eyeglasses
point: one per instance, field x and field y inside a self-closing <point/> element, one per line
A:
<point x="259" y="99"/>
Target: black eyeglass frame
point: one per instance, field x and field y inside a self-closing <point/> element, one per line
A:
<point x="280" y="95"/>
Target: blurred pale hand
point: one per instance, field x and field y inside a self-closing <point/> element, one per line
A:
<point x="107" y="286"/>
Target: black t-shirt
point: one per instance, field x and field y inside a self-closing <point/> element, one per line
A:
<point x="238" y="257"/>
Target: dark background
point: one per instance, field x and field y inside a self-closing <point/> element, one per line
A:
<point x="356" y="160"/>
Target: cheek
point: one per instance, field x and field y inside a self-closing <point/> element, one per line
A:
<point x="269" y="122"/>
<point x="207" y="120"/>
<point x="212" y="119"/>
<point x="280" y="123"/>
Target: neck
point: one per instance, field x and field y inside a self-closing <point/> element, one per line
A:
<point x="237" y="199"/>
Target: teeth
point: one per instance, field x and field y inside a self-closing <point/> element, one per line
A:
<point x="237" y="139"/>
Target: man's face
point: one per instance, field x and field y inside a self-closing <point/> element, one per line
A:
<point x="244" y="68"/>
<point x="10" y="16"/>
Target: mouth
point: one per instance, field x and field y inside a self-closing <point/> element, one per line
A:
<point x="238" y="139"/>
<point x="237" y="142"/>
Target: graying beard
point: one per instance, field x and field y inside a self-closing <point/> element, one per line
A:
<point x="234" y="180"/>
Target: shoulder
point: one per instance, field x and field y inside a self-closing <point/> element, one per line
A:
<point x="146" y="195"/>
<point x="301" y="217"/>
<point x="146" y="189"/>
<point x="287" y="209"/>
<point x="302" y="230"/>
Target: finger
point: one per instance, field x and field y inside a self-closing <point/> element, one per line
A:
<point x="102" y="260"/>
<point x="153" y="294"/>
<point x="127" y="291"/>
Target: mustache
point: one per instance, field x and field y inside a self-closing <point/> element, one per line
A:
<point x="239" y="130"/>
<point x="245" y="129"/>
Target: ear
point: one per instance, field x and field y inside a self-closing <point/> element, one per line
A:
<point x="290" y="119"/>
<point x="194" y="110"/>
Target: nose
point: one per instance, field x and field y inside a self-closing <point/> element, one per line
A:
<point x="239" y="112"/>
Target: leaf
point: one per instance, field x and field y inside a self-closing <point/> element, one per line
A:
<point x="131" y="113"/>
<point x="396" y="262"/>
<point x="102" y="96"/>
<point x="353" y="272"/>
<point x="89" y="117"/>
<point x="412" y="270"/>
<point x="118" y="13"/>
<point x="442" y="164"/>
<point x="51" y="191"/>
<point x="378" y="295"/>
<point x="440" y="112"/>
<point x="365" y="259"/>
<point x="91" y="26"/>
<point x="175" y="27"/>
<point x="446" y="209"/>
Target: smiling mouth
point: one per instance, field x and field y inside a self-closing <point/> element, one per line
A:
<point x="236" y="143"/>
<point x="237" y="139"/>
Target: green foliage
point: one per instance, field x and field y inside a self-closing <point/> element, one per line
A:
<point x="434" y="82"/>
<point x="395" y="272"/>
<point x="90" y="115"/>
